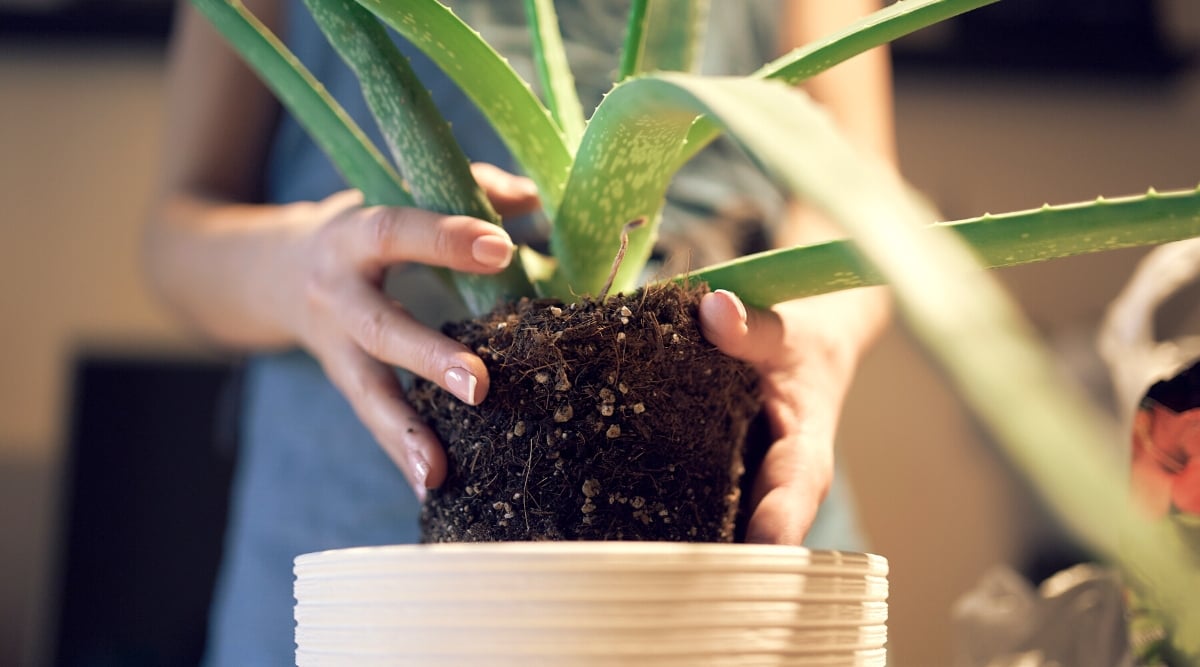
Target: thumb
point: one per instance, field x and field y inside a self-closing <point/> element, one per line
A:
<point x="749" y="334"/>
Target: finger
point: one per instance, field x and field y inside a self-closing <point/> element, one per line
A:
<point x="790" y="486"/>
<point x="376" y="397"/>
<point x="377" y="237"/>
<point x="385" y="331"/>
<point x="512" y="195"/>
<point x="751" y="335"/>
<point x="784" y="516"/>
<point x="344" y="199"/>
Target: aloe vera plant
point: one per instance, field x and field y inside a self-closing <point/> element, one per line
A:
<point x="596" y="174"/>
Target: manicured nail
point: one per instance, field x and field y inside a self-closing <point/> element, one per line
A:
<point x="462" y="384"/>
<point x="492" y="250"/>
<point x="525" y="187"/>
<point x="419" y="469"/>
<point x="737" y="303"/>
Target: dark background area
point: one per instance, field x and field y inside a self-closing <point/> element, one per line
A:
<point x="146" y="480"/>
<point x="1034" y="36"/>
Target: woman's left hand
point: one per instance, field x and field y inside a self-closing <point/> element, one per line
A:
<point x="806" y="352"/>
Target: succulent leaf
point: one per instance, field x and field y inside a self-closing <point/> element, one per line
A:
<point x="420" y="139"/>
<point x="506" y="100"/>
<point x="351" y="152"/>
<point x="554" y="71"/>
<point x="1008" y="239"/>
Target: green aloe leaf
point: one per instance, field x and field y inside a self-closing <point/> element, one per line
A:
<point x="420" y="139"/>
<point x="967" y="323"/>
<point x="520" y="119"/>
<point x="674" y="35"/>
<point x="621" y="172"/>
<point x="634" y="46"/>
<point x="1008" y="239"/>
<point x="351" y="152"/>
<point x="554" y="72"/>
<point x="876" y="29"/>
<point x="626" y="159"/>
<point x="665" y="35"/>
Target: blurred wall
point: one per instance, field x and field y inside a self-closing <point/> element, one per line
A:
<point x="78" y="142"/>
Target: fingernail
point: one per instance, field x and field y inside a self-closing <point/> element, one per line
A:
<point x="462" y="384"/>
<point x="737" y="303"/>
<point x="492" y="250"/>
<point x="419" y="469"/>
<point x="525" y="187"/>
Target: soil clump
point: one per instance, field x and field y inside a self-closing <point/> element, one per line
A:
<point x="610" y="420"/>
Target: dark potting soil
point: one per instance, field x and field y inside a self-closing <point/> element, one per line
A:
<point x="604" y="421"/>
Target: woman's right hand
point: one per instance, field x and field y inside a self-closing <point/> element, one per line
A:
<point x="257" y="276"/>
<point x="311" y="274"/>
<point x="344" y="319"/>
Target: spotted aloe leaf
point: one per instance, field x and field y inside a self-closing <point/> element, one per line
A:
<point x="521" y="120"/>
<point x="360" y="163"/>
<point x="965" y="320"/>
<point x="674" y="36"/>
<point x="662" y="36"/>
<point x="621" y="173"/>
<point x="627" y="157"/>
<point x="420" y="139"/>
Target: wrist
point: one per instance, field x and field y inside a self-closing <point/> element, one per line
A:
<point x="229" y="271"/>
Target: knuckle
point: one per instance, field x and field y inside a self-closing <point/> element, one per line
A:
<point x="442" y="242"/>
<point x="357" y="388"/>
<point x="349" y="382"/>
<point x="360" y="386"/>
<point x="336" y="231"/>
<point x="317" y="289"/>
<point x="328" y="244"/>
<point x="380" y="229"/>
<point x="371" y="331"/>
<point x="425" y="359"/>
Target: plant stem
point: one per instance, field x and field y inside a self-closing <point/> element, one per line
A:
<point x="616" y="265"/>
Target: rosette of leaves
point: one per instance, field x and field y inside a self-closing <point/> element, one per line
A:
<point x="596" y="174"/>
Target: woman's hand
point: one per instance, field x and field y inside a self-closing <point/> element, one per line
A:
<point x="358" y="333"/>
<point x="255" y="276"/>
<point x="311" y="274"/>
<point x="806" y="352"/>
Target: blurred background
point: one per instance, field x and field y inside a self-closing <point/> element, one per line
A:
<point x="115" y="446"/>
